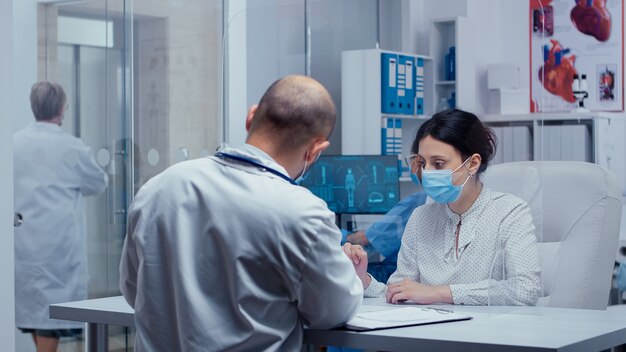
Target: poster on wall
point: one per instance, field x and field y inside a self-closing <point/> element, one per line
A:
<point x="576" y="54"/>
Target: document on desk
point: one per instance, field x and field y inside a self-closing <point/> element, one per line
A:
<point x="399" y="317"/>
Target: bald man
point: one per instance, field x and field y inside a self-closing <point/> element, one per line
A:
<point x="228" y="253"/>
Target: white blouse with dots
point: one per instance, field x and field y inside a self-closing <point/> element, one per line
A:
<point x="497" y="261"/>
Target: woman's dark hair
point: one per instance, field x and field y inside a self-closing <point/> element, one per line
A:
<point x="462" y="130"/>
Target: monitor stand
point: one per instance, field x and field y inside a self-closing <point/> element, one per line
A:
<point x="346" y="221"/>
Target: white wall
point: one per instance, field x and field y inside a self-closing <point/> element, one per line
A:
<point x="275" y="41"/>
<point x="24" y="73"/>
<point x="488" y="37"/>
<point x="236" y="75"/>
<point x="265" y="42"/>
<point x="24" y="59"/>
<point x="7" y="310"/>
<point x="514" y="41"/>
<point x="336" y="26"/>
<point x="391" y="23"/>
<point x="445" y="8"/>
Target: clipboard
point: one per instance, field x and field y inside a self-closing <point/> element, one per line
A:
<point x="401" y="317"/>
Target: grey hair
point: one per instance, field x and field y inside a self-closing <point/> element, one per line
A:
<point x="47" y="100"/>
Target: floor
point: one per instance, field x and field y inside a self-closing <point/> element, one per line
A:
<point x="118" y="342"/>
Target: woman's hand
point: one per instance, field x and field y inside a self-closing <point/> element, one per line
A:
<point x="409" y="290"/>
<point x="358" y="256"/>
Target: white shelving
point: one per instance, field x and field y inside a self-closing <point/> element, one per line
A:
<point x="361" y="106"/>
<point x="596" y="137"/>
<point x="454" y="32"/>
<point x="361" y="113"/>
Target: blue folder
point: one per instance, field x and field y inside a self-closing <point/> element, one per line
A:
<point x="419" y="87"/>
<point x="406" y="86"/>
<point x="389" y="97"/>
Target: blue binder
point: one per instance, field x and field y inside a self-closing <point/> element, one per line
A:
<point x="387" y="142"/>
<point x="397" y="136"/>
<point x="406" y="88"/>
<point x="419" y="87"/>
<point x="388" y="89"/>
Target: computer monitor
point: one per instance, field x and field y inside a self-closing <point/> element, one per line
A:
<point x="355" y="184"/>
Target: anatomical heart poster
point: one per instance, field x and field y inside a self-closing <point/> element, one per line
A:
<point x="577" y="55"/>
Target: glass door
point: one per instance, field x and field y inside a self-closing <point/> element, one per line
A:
<point x="88" y="49"/>
<point x="90" y="65"/>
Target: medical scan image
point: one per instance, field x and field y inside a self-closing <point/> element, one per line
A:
<point x="355" y="184"/>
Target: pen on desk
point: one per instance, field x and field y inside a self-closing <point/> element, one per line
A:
<point x="439" y="310"/>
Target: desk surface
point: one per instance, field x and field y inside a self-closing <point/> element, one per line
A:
<point x="109" y="311"/>
<point x="491" y="329"/>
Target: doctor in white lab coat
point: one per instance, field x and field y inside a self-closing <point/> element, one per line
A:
<point x="53" y="171"/>
<point x="228" y="253"/>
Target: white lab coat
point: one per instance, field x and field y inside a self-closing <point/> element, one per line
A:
<point x="223" y="255"/>
<point x="53" y="171"/>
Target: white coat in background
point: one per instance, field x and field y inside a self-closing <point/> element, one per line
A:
<point x="53" y="171"/>
<point x="221" y="255"/>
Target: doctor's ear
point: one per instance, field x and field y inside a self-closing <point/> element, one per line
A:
<point x="318" y="146"/>
<point x="474" y="163"/>
<point x="250" y="116"/>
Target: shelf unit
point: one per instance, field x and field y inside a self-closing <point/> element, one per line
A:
<point x="361" y="92"/>
<point x="453" y="32"/>
<point x="362" y="106"/>
<point x="596" y="137"/>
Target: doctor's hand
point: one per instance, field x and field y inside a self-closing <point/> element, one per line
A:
<point x="358" y="256"/>
<point x="358" y="238"/>
<point x="409" y="290"/>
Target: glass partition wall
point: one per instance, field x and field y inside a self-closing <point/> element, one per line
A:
<point x="147" y="88"/>
<point x="142" y="79"/>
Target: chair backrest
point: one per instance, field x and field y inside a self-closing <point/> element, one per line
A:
<point x="576" y="209"/>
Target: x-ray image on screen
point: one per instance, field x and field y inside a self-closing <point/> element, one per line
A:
<point x="355" y="184"/>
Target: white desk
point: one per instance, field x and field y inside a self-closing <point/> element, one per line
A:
<point x="98" y="314"/>
<point x="492" y="329"/>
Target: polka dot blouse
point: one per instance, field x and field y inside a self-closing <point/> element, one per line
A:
<point x="497" y="260"/>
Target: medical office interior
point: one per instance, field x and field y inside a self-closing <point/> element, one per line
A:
<point x="151" y="83"/>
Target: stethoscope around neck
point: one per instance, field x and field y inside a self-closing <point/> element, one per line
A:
<point x="243" y="159"/>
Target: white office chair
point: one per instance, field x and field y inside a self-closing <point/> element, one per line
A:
<point x="576" y="209"/>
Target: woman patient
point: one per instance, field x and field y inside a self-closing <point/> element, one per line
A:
<point x="473" y="245"/>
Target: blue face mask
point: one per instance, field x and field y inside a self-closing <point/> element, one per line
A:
<point x="304" y="172"/>
<point x="438" y="184"/>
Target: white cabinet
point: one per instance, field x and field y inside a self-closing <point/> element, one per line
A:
<point x="453" y="34"/>
<point x="514" y="143"/>
<point x="362" y="102"/>
<point x="595" y="137"/>
<point x="565" y="141"/>
<point x="367" y="127"/>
